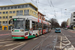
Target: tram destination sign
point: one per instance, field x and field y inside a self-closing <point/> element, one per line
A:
<point x="20" y="19"/>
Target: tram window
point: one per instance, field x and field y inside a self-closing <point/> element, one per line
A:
<point x="36" y="25"/>
<point x="33" y="25"/>
<point x="39" y="25"/>
<point x="27" y="25"/>
<point x="44" y="26"/>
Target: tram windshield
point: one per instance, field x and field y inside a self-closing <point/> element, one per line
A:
<point x="18" y="23"/>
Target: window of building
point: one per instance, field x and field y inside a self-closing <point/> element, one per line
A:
<point x="6" y="16"/>
<point x="25" y="6"/>
<point x="12" y="7"/>
<point x="6" y="12"/>
<point x="10" y="11"/>
<point x="34" y="12"/>
<point x="74" y="16"/>
<point x="22" y="6"/>
<point x="73" y="19"/>
<point x="26" y="12"/>
<point x="0" y="17"/>
<point x="13" y="11"/>
<point x="10" y="16"/>
<point x="8" y="7"/>
<point x="1" y="8"/>
<point x="3" y="22"/>
<point x="74" y="12"/>
<point x="4" y="8"/>
<point x="19" y="6"/>
<point x="6" y="22"/>
<point x="19" y="12"/>
<point x="15" y="7"/>
<point x="0" y="12"/>
<point x="0" y="27"/>
<point x="3" y="12"/>
<point x="0" y="22"/>
<point x="3" y="17"/>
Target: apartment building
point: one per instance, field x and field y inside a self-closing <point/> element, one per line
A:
<point x="68" y="22"/>
<point x="8" y="11"/>
<point x="72" y="20"/>
<point x="41" y="16"/>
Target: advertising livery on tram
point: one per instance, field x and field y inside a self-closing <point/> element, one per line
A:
<point x="25" y="27"/>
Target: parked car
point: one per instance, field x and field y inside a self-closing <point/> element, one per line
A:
<point x="57" y="30"/>
<point x="65" y="28"/>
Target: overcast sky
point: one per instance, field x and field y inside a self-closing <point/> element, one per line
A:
<point x="59" y="9"/>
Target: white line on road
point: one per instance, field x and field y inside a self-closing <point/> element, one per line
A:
<point x="10" y="44"/>
<point x="18" y="46"/>
<point x="70" y="48"/>
<point x="34" y="38"/>
<point x="14" y="44"/>
<point x="5" y="41"/>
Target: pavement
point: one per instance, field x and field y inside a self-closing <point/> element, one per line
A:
<point x="5" y="34"/>
<point x="47" y="41"/>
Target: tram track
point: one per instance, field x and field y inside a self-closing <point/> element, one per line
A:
<point x="47" y="42"/>
<point x="6" y="43"/>
<point x="48" y="46"/>
<point x="11" y="44"/>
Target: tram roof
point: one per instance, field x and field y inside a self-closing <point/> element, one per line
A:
<point x="32" y="18"/>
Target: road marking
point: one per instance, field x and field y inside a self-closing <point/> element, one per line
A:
<point x="14" y="43"/>
<point x="50" y="36"/>
<point x="70" y="48"/>
<point x="43" y="36"/>
<point x="60" y="42"/>
<point x="18" y="46"/>
<point x="5" y="34"/>
<point x="1" y="45"/>
<point x="34" y="38"/>
<point x="5" y="42"/>
<point x="9" y="44"/>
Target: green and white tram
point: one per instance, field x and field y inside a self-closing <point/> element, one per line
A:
<point x="25" y="27"/>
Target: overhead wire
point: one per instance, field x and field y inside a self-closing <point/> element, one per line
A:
<point x="51" y="3"/>
<point x="24" y="0"/>
<point x="12" y="2"/>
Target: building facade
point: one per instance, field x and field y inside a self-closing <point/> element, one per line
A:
<point x="68" y="22"/>
<point x="8" y="11"/>
<point x="41" y="16"/>
<point x="72" y="20"/>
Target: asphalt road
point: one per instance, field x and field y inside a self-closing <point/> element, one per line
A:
<point x="5" y="35"/>
<point x="47" y="41"/>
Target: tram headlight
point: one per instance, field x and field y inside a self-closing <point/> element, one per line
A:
<point x="12" y="30"/>
<point x="22" y="30"/>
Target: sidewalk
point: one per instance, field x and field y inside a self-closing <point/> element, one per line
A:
<point x="73" y="31"/>
<point x="5" y="31"/>
<point x="5" y="34"/>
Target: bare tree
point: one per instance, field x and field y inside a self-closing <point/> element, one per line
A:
<point x="64" y="24"/>
<point x="54" y="23"/>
